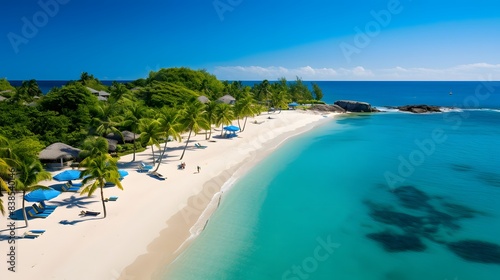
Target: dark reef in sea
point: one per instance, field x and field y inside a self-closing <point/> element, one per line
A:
<point x="411" y="197"/>
<point x="476" y="251"/>
<point x="393" y="242"/>
<point x="435" y="219"/>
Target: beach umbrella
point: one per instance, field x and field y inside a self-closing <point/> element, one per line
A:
<point x="41" y="195"/>
<point x="67" y="175"/>
<point x="232" y="128"/>
<point x="122" y="172"/>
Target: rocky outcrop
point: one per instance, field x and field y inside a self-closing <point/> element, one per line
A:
<point x="327" y="108"/>
<point x="355" y="106"/>
<point x="419" y="109"/>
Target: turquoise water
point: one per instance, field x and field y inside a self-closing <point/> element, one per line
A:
<point x="306" y="211"/>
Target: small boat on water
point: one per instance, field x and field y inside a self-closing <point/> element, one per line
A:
<point x="451" y="93"/>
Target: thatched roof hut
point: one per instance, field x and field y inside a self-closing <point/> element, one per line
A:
<point x="203" y="99"/>
<point x="112" y="144"/>
<point x="128" y="137"/>
<point x="228" y="99"/>
<point x="58" y="153"/>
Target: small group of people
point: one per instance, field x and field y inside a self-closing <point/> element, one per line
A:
<point x="183" y="166"/>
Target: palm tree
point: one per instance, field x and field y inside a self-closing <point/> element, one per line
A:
<point x="99" y="171"/>
<point x="170" y="126"/>
<point x="280" y="100"/>
<point x="118" y="92"/>
<point x="4" y="167"/>
<point x="133" y="114"/>
<point x="224" y="115"/>
<point x="7" y="155"/>
<point x="193" y="118"/>
<point x="210" y="109"/>
<point x="31" y="172"/>
<point x="106" y="121"/>
<point x="244" y="108"/>
<point x="150" y="133"/>
<point x="93" y="147"/>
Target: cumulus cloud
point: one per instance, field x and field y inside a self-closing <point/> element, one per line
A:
<point x="468" y="72"/>
<point x="464" y="72"/>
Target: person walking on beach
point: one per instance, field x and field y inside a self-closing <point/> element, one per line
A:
<point x="198" y="168"/>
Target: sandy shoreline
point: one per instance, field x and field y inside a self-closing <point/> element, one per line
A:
<point x="151" y="219"/>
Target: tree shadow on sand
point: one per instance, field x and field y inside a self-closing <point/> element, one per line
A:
<point x="74" y="202"/>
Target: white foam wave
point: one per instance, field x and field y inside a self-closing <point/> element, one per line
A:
<point x="386" y="109"/>
<point x="484" y="110"/>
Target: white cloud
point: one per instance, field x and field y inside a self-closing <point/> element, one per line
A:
<point x="466" y="72"/>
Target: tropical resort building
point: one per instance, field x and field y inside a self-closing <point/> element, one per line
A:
<point x="228" y="99"/>
<point x="58" y="155"/>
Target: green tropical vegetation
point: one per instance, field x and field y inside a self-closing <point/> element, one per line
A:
<point x="31" y="173"/>
<point x="162" y="106"/>
<point x="98" y="171"/>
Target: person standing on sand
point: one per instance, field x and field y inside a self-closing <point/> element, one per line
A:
<point x="198" y="168"/>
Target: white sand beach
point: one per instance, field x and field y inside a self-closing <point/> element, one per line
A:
<point x="152" y="220"/>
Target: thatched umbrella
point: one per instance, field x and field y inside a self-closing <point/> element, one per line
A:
<point x="112" y="144"/>
<point x="228" y="99"/>
<point x="128" y="137"/>
<point x="203" y="99"/>
<point x="58" y="152"/>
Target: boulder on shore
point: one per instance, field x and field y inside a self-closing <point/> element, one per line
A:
<point x="327" y="108"/>
<point x="418" y="109"/>
<point x="355" y="106"/>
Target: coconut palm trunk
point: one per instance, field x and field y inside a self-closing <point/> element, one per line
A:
<point x="245" y="124"/>
<point x="135" y="149"/>
<point x="162" y="154"/>
<point x="25" y="215"/>
<point x="187" y="142"/>
<point x="102" y="199"/>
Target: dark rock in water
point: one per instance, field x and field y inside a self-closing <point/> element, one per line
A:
<point x="490" y="178"/>
<point x="412" y="197"/>
<point x="393" y="242"/>
<point x="459" y="211"/>
<point x="418" y="109"/>
<point x="406" y="222"/>
<point x="437" y="218"/>
<point x="461" y="167"/>
<point x="476" y="251"/>
<point x="355" y="106"/>
<point x="327" y="108"/>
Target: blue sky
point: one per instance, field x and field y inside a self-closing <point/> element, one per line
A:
<point x="252" y="40"/>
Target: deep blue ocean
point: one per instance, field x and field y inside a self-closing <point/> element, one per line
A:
<point x="384" y="196"/>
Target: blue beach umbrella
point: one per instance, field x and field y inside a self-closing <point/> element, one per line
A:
<point x="232" y="128"/>
<point x="67" y="175"/>
<point x="122" y="172"/>
<point x="41" y="195"/>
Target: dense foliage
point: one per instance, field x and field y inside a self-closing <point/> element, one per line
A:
<point x="72" y="113"/>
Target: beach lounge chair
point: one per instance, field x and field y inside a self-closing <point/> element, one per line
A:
<point x="34" y="233"/>
<point x="75" y="185"/>
<point x="145" y="167"/>
<point x="44" y="206"/>
<point x="111" y="198"/>
<point x="69" y="188"/>
<point x="199" y="146"/>
<point x="156" y="175"/>
<point x="33" y="214"/>
<point x="89" y="213"/>
<point x="40" y="210"/>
